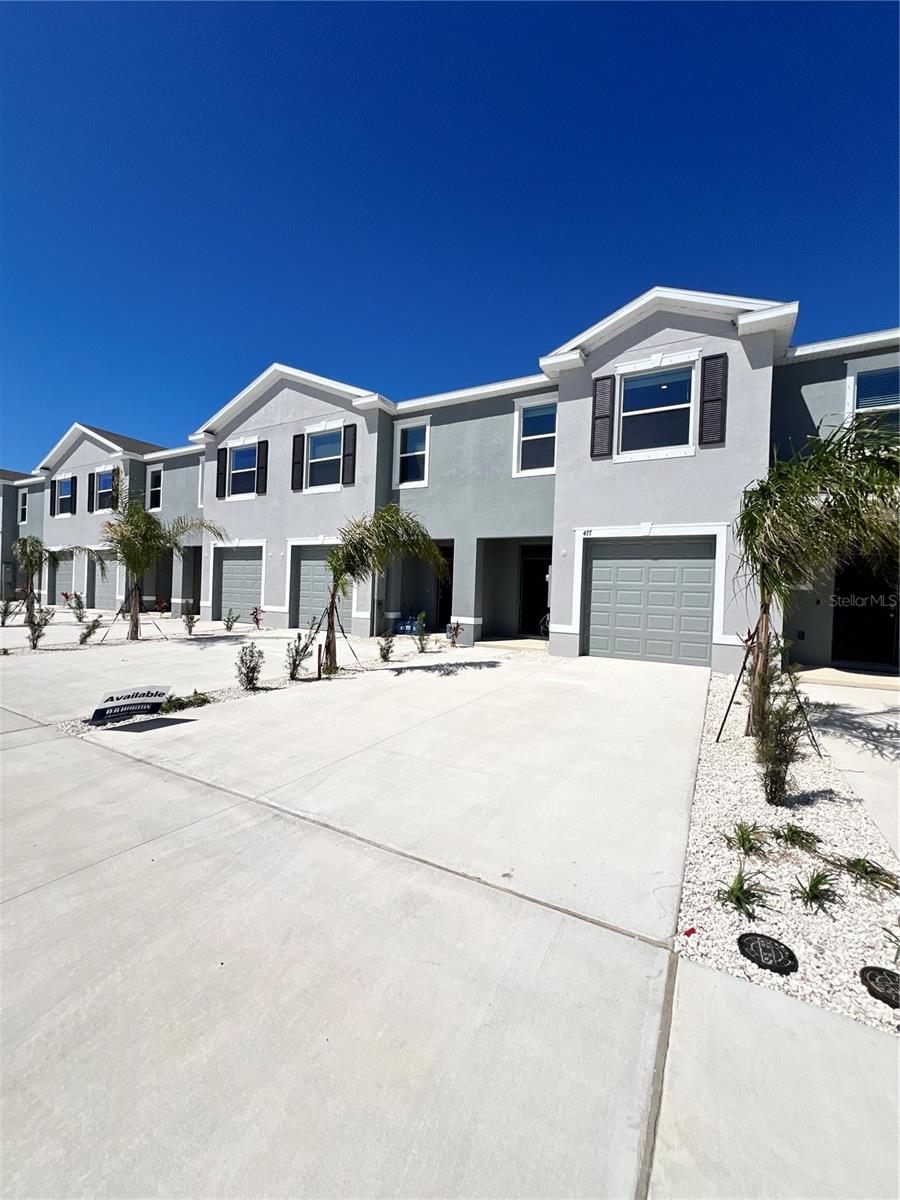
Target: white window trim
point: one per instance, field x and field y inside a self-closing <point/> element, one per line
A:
<point x="310" y="431"/>
<point x="58" y="516"/>
<point x="411" y="423"/>
<point x="97" y="473"/>
<point x="532" y="402"/>
<point x="235" y="444"/>
<point x="150" y="470"/>
<point x="201" y="466"/>
<point x="23" y="495"/>
<point x="859" y="366"/>
<point x="584" y="534"/>
<point x="626" y="371"/>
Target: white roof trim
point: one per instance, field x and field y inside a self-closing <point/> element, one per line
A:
<point x="277" y="372"/>
<point x="155" y="455"/>
<point x="671" y="299"/>
<point x="487" y="391"/>
<point x="552" y="364"/>
<point x="30" y="479"/>
<point x="780" y="319"/>
<point x="882" y="339"/>
<point x="73" y="432"/>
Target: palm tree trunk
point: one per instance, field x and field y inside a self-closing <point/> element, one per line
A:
<point x="330" y="636"/>
<point x="29" y="598"/>
<point x="134" y="625"/>
<point x="760" y="661"/>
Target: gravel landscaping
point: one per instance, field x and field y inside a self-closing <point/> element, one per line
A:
<point x="831" y="946"/>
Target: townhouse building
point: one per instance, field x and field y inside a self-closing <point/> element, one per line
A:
<point x="591" y="502"/>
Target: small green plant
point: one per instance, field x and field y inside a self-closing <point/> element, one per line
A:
<point x="6" y="607"/>
<point x="796" y="837"/>
<point x="231" y="619"/>
<point x="37" y="625"/>
<point x="749" y="839"/>
<point x="76" y="603"/>
<point x="4" y="651"/>
<point x="249" y="666"/>
<point x="178" y="703"/>
<point x="892" y="937"/>
<point x="818" y="891"/>
<point x="386" y="647"/>
<point x="864" y="870"/>
<point x="421" y="635"/>
<point x="189" y="617"/>
<point x="298" y="651"/>
<point x="328" y="671"/>
<point x="744" y="893"/>
<point x="89" y="630"/>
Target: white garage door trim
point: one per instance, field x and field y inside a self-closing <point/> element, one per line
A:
<point x="237" y="544"/>
<point x="650" y="530"/>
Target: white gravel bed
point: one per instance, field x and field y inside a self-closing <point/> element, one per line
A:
<point x="831" y="947"/>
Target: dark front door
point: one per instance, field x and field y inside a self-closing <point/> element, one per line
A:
<point x="535" y="602"/>
<point x="864" y="630"/>
<point x="445" y="591"/>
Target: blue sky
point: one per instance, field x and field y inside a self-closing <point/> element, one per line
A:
<point x="416" y="197"/>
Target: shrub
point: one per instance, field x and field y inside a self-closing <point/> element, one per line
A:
<point x="421" y="635"/>
<point x="178" y="703"/>
<point x="161" y="607"/>
<point x="455" y="630"/>
<point x="796" y="837"/>
<point x="38" y="624"/>
<point x="818" y="891"/>
<point x="249" y="666"/>
<point x="76" y="603"/>
<point x="749" y="839"/>
<point x="231" y="619"/>
<point x="780" y="725"/>
<point x="297" y="653"/>
<point x="256" y="616"/>
<point x="189" y="617"/>
<point x="864" y="870"/>
<point x="744" y="893"/>
<point x="89" y="630"/>
<point x="6" y="607"/>
<point x="386" y="647"/>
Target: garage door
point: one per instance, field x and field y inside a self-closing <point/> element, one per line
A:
<point x="240" y="581"/>
<point x="310" y="587"/>
<point x="104" y="591"/>
<point x="61" y="579"/>
<point x="650" y="599"/>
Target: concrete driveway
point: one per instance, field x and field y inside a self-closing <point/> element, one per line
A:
<point x="404" y="933"/>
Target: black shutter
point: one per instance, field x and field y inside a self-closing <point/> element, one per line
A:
<point x="52" y="497"/>
<point x="603" y="417"/>
<point x="262" y="467"/>
<point x="221" y="473"/>
<point x="348" y="470"/>
<point x="297" y="462"/>
<point x="74" y="494"/>
<point x="713" y="399"/>
<point x="91" y="492"/>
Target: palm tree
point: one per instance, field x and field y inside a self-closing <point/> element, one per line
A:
<point x="33" y="557"/>
<point x="139" y="539"/>
<point x="368" y="545"/>
<point x="831" y="501"/>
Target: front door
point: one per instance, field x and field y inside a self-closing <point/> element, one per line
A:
<point x="864" y="630"/>
<point x="445" y="591"/>
<point x="535" y="599"/>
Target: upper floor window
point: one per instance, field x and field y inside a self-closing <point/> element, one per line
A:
<point x="324" y="458"/>
<point x="242" y="474"/>
<point x="536" y="442"/>
<point x="411" y="438"/>
<point x="656" y="410"/>
<point x="878" y="397"/>
<point x="23" y="507"/>
<point x="64" y="503"/>
<point x="154" y="488"/>
<point x="105" y="481"/>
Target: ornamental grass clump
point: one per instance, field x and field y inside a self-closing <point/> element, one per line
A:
<point x="298" y="651"/>
<point x="189" y="617"/>
<point x="744" y="893"/>
<point x="817" y="891"/>
<point x="230" y="619"/>
<point x="386" y="647"/>
<point x="864" y="870"/>
<point x="37" y="624"/>
<point x="89" y="630"/>
<point x="796" y="837"/>
<point x="748" y="838"/>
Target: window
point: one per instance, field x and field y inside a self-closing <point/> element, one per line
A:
<point x="411" y="452"/>
<point x="23" y="507"/>
<point x="63" y="496"/>
<point x="656" y="410"/>
<point x="537" y="438"/>
<point x="154" y="489"/>
<point x="243" y="471"/>
<point x="104" y="490"/>
<point x="878" y="397"/>
<point x="324" y="458"/>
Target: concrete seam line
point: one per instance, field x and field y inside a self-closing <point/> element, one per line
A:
<point x="648" y="1152"/>
<point x="466" y="875"/>
<point x="693" y="793"/>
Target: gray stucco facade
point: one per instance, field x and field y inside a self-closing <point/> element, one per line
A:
<point x="293" y="457"/>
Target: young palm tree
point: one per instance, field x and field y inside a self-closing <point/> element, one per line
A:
<point x="33" y="556"/>
<point x="367" y="546"/>
<point x="833" y="500"/>
<point x="138" y="539"/>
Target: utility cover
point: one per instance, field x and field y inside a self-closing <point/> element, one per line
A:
<point x="883" y="984"/>
<point x="768" y="953"/>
